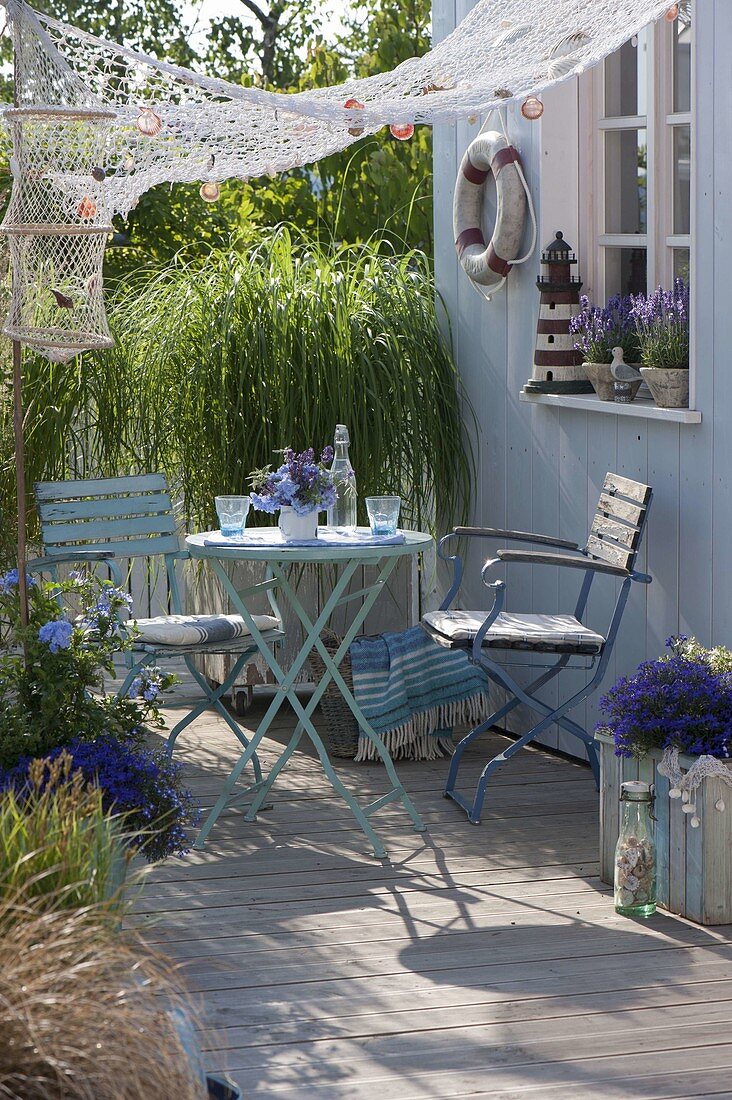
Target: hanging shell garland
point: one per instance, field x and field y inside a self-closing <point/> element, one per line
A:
<point x="98" y="174"/>
<point x="210" y="191"/>
<point x="532" y="108"/>
<point x="148" y="123"/>
<point x="354" y="105"/>
<point x="401" y="132"/>
<point x="87" y="208"/>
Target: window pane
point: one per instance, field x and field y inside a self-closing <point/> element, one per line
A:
<point x="625" y="181"/>
<point x="681" y="264"/>
<point x="682" y="179"/>
<point x="625" y="80"/>
<point x="625" y="271"/>
<point x="682" y="58"/>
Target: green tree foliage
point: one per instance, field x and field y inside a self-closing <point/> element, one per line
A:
<point x="378" y="183"/>
<point x="265" y="44"/>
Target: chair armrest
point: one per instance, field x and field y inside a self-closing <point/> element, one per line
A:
<point x="515" y="536"/>
<point x="540" y="557"/>
<point x="74" y="557"/>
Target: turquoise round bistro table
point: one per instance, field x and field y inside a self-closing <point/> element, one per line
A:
<point x="349" y="558"/>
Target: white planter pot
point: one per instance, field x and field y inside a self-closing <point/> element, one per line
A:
<point x="296" y="528"/>
<point x="669" y="386"/>
<point x="693" y="866"/>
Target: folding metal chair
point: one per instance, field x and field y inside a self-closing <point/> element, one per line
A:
<point x="113" y="519"/>
<point x="611" y="550"/>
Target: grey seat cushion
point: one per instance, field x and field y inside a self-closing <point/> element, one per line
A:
<point x="195" y="630"/>
<point x="549" y="633"/>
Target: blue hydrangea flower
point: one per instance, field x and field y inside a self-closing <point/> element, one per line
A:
<point x="9" y="581"/>
<point x="56" y="634"/>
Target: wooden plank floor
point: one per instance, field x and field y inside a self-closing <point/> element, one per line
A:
<point x="475" y="961"/>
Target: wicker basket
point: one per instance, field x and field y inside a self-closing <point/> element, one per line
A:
<point x="339" y="725"/>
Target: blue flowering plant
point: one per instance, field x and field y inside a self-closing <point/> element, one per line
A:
<point x="139" y="786"/>
<point x="683" y="700"/>
<point x="300" y="482"/>
<point x="662" y="323"/>
<point x="599" y="329"/>
<point x="52" y="670"/>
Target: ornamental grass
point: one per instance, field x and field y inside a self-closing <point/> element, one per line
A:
<point x="58" y="843"/>
<point x="83" y="1010"/>
<point x="221" y="362"/>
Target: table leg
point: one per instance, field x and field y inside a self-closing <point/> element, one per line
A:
<point x="313" y="640"/>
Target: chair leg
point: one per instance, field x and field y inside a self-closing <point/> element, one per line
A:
<point x="521" y="695"/>
<point x="213" y="697"/>
<point x="465" y="741"/>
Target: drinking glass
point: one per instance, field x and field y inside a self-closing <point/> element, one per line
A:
<point x="383" y="513"/>
<point x="232" y="513"/>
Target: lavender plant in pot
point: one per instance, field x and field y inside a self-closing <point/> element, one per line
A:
<point x="597" y="330"/>
<point x="662" y="322"/>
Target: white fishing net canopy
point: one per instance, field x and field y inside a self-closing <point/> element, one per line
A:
<point x="96" y="125"/>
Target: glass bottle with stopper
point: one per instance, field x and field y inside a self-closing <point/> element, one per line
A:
<point x="342" y="515"/>
<point x="635" y="854"/>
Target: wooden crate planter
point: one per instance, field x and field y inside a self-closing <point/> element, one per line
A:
<point x="694" y="865"/>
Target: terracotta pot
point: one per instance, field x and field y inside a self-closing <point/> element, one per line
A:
<point x="669" y="386"/>
<point x="603" y="383"/>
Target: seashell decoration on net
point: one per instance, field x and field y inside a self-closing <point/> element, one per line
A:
<point x="96" y="125"/>
<point x="683" y="785"/>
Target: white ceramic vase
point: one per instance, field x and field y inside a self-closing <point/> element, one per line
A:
<point x="297" y="528"/>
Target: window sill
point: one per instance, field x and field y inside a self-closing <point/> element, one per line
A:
<point x="641" y="407"/>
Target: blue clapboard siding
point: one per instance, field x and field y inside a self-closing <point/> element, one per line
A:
<point x="541" y="467"/>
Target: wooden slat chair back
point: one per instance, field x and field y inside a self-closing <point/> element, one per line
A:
<point x="126" y="517"/>
<point x="108" y="520"/>
<point x="617" y="528"/>
<point x="611" y="549"/>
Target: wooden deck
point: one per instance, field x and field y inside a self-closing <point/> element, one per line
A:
<point x="476" y="961"/>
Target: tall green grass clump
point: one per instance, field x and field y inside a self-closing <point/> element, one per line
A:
<point x="58" y="845"/>
<point x="236" y="356"/>
<point x="221" y="361"/>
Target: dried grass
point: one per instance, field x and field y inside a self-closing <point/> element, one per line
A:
<point x="83" y="1010"/>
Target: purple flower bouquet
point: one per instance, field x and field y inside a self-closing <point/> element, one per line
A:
<point x="299" y="483"/>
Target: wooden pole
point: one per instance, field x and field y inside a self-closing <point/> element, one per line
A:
<point x="20" y="495"/>
<point x="20" y="478"/>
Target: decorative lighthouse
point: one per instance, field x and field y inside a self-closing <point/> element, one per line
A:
<point x="557" y="366"/>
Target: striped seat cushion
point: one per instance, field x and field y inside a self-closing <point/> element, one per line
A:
<point x="552" y="633"/>
<point x="193" y="630"/>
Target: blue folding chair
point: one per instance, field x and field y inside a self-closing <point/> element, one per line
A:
<point x="611" y="550"/>
<point x="110" y="520"/>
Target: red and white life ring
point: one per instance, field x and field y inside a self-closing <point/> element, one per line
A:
<point x="489" y="153"/>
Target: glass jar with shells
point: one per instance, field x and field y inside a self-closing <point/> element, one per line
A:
<point x="635" y="854"/>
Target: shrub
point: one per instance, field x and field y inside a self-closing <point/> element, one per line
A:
<point x="82" y="1009"/>
<point x="53" y="692"/>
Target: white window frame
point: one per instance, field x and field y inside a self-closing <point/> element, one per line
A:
<point x="659" y="240"/>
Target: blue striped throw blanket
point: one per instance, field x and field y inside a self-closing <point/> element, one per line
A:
<point x="413" y="692"/>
